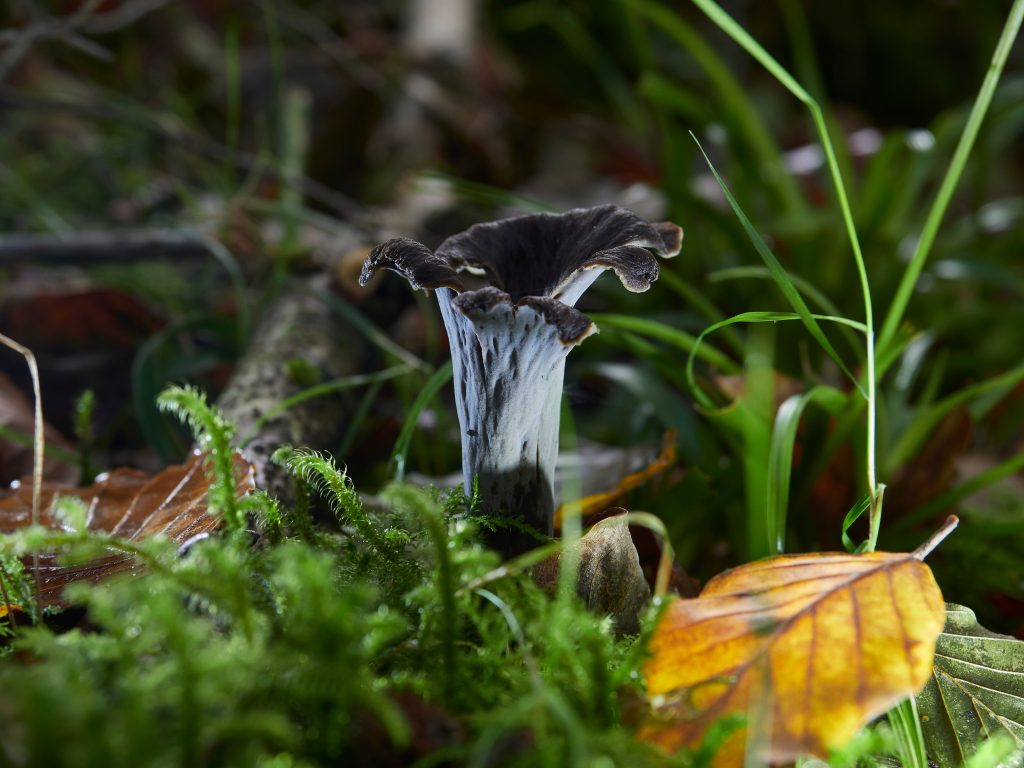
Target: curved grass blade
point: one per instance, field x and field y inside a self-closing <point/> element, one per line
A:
<point x="779" y="274"/>
<point x="751" y="317"/>
<point x="325" y="388"/>
<point x="780" y="456"/>
<point x="728" y="25"/>
<point x="748" y="272"/>
<point x="852" y="517"/>
<point x="673" y="336"/>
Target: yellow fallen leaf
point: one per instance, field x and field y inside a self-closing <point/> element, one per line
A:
<point x="808" y="648"/>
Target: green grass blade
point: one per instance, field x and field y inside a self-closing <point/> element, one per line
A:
<point x="485" y="194"/>
<point x="323" y="389"/>
<point x="915" y="435"/>
<point x="230" y="265"/>
<point x="674" y="100"/>
<point x="758" y="402"/>
<point x="1009" y="468"/>
<point x="672" y="336"/>
<point x="906" y="724"/>
<point x="437" y="379"/>
<point x="26" y="441"/>
<point x="804" y="286"/>
<point x="952" y="177"/>
<point x="780" y="457"/>
<point x="852" y="517"/>
<point x="372" y="333"/>
<point x="779" y="273"/>
<point x="697" y="299"/>
<point x="751" y="317"/>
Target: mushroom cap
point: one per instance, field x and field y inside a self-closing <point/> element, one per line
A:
<point x="544" y="260"/>
<point x="539" y="253"/>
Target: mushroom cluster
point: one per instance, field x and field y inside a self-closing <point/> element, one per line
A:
<point x="507" y="291"/>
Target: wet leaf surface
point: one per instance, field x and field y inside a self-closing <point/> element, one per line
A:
<point x="976" y="689"/>
<point x="128" y="503"/>
<point x="808" y="648"/>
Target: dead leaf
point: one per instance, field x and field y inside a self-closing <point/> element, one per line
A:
<point x="610" y="580"/>
<point x="933" y="469"/>
<point x="16" y="415"/>
<point x="808" y="647"/>
<point x="70" y="321"/>
<point x="126" y="502"/>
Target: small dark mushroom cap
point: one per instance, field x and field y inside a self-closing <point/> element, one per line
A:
<point x="544" y="260"/>
<point x="537" y="254"/>
<point x="413" y="261"/>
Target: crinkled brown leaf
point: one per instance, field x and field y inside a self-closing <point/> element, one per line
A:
<point x="808" y="647"/>
<point x="128" y="503"/>
<point x="610" y="579"/>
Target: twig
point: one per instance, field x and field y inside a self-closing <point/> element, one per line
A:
<point x="102" y="247"/>
<point x="297" y="325"/>
<point x="70" y="29"/>
<point x="937" y="538"/>
<point x="50" y="28"/>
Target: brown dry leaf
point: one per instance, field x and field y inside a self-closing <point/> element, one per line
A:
<point x="808" y="647"/>
<point x="610" y="579"/>
<point x="126" y="502"/>
<point x="16" y="414"/>
<point x="73" y="320"/>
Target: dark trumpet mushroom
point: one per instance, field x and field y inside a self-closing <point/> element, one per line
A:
<point x="509" y="339"/>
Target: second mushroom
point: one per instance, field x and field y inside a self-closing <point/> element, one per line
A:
<point x="507" y="291"/>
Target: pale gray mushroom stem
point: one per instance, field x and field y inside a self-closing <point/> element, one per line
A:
<point x="509" y="339"/>
<point x="508" y="364"/>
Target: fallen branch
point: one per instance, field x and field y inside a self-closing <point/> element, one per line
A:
<point x="102" y="247"/>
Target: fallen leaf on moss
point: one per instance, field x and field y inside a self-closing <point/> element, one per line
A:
<point x="976" y="690"/>
<point x="128" y="503"/>
<point x="610" y="580"/>
<point x="808" y="647"/>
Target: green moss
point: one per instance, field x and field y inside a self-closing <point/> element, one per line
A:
<point x="353" y="646"/>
